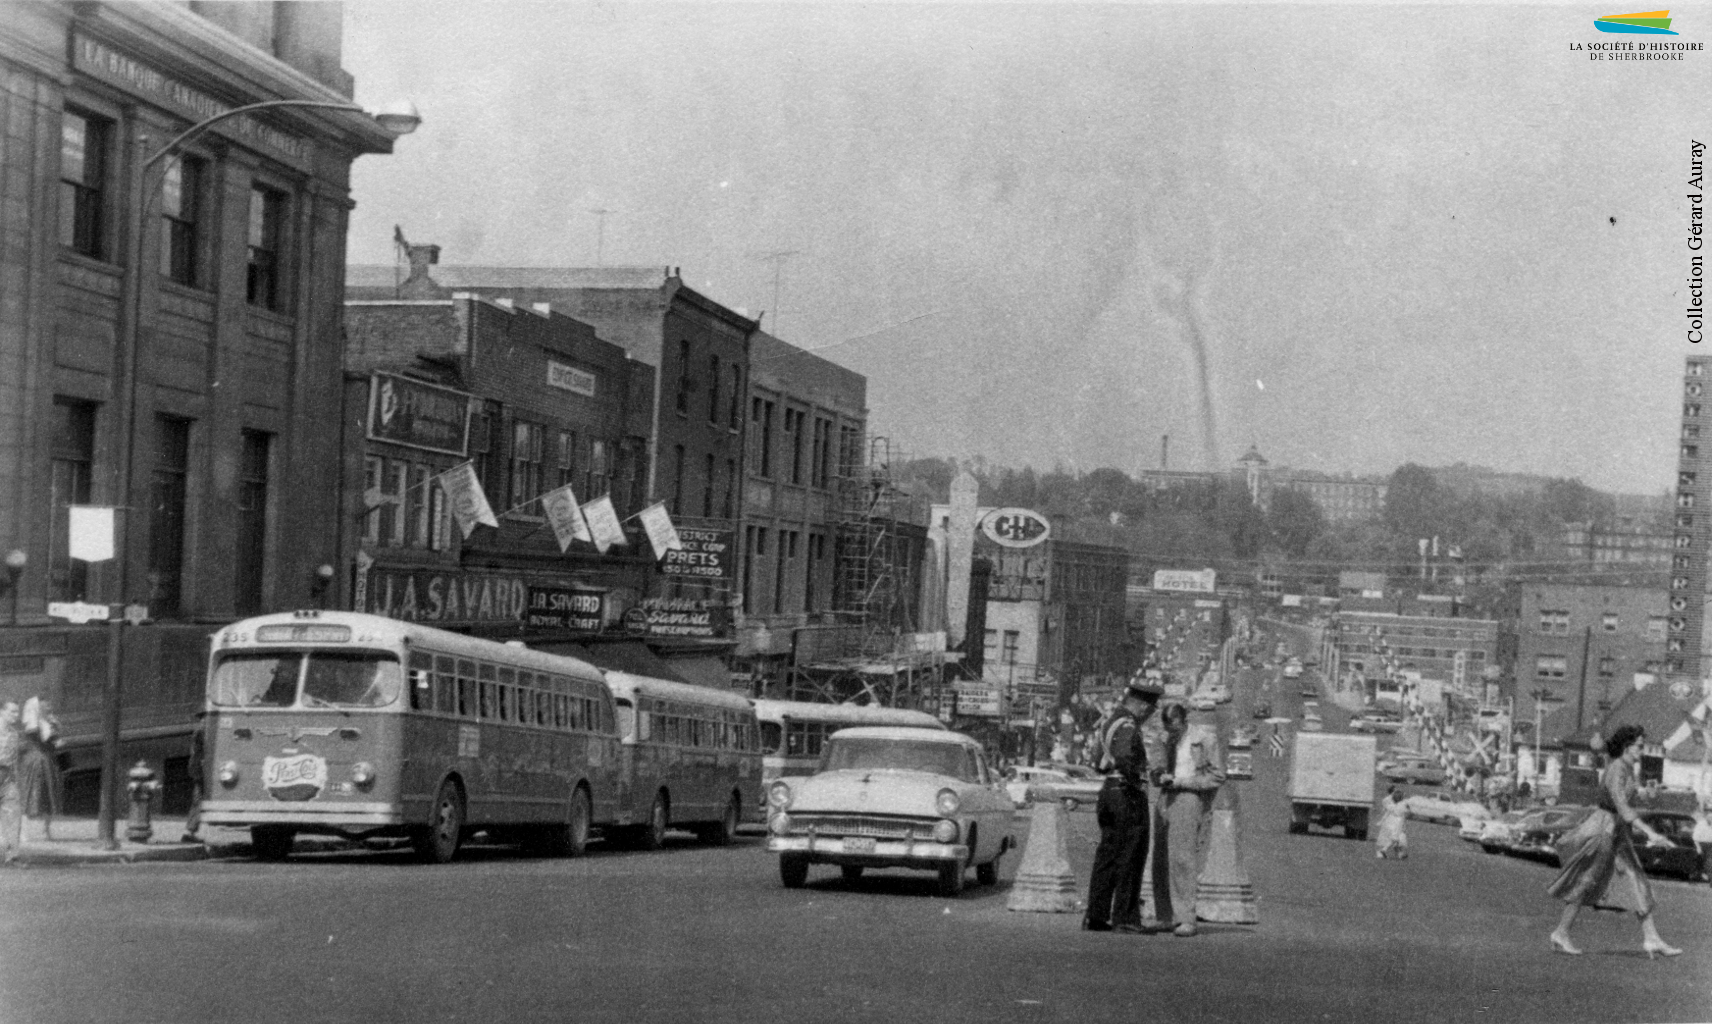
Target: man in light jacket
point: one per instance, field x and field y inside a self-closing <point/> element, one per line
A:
<point x="1192" y="774"/>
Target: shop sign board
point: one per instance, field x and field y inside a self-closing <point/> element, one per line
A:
<point x="1201" y="581"/>
<point x="443" y="597"/>
<point x="705" y="555"/>
<point x="1015" y="527"/>
<point x="418" y="414"/>
<point x="977" y="701"/>
<point x="565" y="608"/>
<point x="678" y="617"/>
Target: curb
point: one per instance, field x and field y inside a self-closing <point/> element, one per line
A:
<point x="53" y="857"/>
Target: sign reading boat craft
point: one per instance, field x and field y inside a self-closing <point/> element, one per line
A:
<point x="1015" y="527"/>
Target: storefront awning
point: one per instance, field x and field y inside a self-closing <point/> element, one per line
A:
<point x="623" y="656"/>
<point x="702" y="670"/>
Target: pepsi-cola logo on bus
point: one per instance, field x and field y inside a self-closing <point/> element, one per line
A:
<point x="1015" y="527"/>
<point x="294" y="778"/>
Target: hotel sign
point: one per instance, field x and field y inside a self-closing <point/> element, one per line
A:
<point x="419" y="415"/>
<point x="1200" y="582"/>
<point x="123" y="71"/>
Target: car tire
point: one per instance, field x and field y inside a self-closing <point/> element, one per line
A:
<point x="988" y="873"/>
<point x="1489" y="848"/>
<point x="271" y="842"/>
<point x="950" y="882"/>
<point x="1297" y="828"/>
<point x="793" y="870"/>
<point x="852" y="873"/>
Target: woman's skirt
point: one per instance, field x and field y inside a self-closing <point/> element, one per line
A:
<point x="1600" y="868"/>
<point x="38" y="782"/>
<point x="1391" y="835"/>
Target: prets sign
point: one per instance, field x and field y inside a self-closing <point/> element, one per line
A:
<point x="705" y="555"/>
<point x="1015" y="527"/>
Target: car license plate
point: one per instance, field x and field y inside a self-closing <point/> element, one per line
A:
<point x="858" y="846"/>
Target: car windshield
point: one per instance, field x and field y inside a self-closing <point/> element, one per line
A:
<point x="363" y="679"/>
<point x="872" y="752"/>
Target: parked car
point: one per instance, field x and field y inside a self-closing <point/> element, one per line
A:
<point x="1679" y="859"/>
<point x="1293" y="669"/>
<point x="1469" y="826"/>
<point x="1536" y="835"/>
<point x="1496" y="834"/>
<point x="892" y="796"/>
<point x="1071" y="784"/>
<point x="1368" y="723"/>
<point x="1416" y="772"/>
<point x="1312" y="723"/>
<point x="1309" y="693"/>
<point x="1217" y="693"/>
<point x="1443" y="808"/>
<point x="1262" y="710"/>
<point x="1243" y="737"/>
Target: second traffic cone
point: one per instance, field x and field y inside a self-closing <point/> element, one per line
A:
<point x="1223" y="892"/>
<point x="1044" y="883"/>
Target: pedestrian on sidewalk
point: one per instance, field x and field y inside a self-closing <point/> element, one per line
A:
<point x="1598" y="856"/>
<point x="1192" y="773"/>
<point x="1114" y="889"/>
<point x="198" y="769"/>
<point x="38" y="766"/>
<point x="1391" y="838"/>
<point x="11" y="743"/>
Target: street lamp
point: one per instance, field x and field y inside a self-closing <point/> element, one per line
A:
<point x="16" y="559"/>
<point x="396" y="120"/>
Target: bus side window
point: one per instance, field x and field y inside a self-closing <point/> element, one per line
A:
<point x="421" y="681"/>
<point x="561" y="711"/>
<point x="489" y="691"/>
<point x="445" y="685"/>
<point x="467" y="689"/>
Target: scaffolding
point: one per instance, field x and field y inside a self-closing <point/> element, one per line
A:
<point x="871" y="654"/>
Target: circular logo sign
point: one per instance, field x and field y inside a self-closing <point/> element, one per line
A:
<point x="1015" y="527"/>
<point x="635" y="619"/>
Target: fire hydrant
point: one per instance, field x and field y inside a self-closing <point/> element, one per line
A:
<point x="142" y="786"/>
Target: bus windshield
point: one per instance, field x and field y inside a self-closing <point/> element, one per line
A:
<point x="843" y="754"/>
<point x="363" y="679"/>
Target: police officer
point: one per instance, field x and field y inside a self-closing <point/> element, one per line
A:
<point x="1114" y="891"/>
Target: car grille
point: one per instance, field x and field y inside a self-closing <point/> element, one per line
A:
<point x="851" y="825"/>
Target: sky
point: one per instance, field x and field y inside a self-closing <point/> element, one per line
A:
<point x="1352" y="235"/>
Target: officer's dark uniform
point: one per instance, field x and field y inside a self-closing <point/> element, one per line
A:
<point x="1114" y="891"/>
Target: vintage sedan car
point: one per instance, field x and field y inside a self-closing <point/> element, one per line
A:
<point x="1243" y="737"/>
<point x="1538" y="832"/>
<point x="1375" y="724"/>
<point x="1293" y="669"/>
<point x="1054" y="782"/>
<point x="1496" y="834"/>
<point x="1262" y="709"/>
<point x="1415" y="772"/>
<point x="888" y="797"/>
<point x="1680" y="858"/>
<point x="1443" y="808"/>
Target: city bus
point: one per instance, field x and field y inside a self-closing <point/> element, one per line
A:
<point x="792" y="731"/>
<point x="355" y="725"/>
<point x="689" y="757"/>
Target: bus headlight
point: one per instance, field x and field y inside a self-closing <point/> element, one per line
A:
<point x="947" y="802"/>
<point x="780" y="825"/>
<point x="229" y="773"/>
<point x="362" y="774"/>
<point x="945" y="831"/>
<point x="779" y="795"/>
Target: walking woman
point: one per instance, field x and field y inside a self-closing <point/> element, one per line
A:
<point x="38" y="765"/>
<point x="1391" y="839"/>
<point x="1598" y="855"/>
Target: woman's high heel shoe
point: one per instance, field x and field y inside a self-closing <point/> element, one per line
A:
<point x="1659" y="948"/>
<point x="1563" y="945"/>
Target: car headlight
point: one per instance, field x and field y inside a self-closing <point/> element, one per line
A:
<point x="779" y="795"/>
<point x="780" y="824"/>
<point x="363" y="774"/>
<point x="229" y="773"/>
<point x="945" y="831"/>
<point x="947" y="802"/>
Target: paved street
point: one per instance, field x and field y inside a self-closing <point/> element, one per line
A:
<point x="702" y="934"/>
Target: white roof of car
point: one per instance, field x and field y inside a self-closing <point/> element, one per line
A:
<point x="903" y="732"/>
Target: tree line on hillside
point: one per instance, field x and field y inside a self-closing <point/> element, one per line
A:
<point x="1215" y="521"/>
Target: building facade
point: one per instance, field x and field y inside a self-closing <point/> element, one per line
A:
<point x="1581" y="647"/>
<point x="170" y="347"/>
<point x="535" y="402"/>
<point x="1686" y="624"/>
<point x="804" y="457"/>
<point x="1370" y="650"/>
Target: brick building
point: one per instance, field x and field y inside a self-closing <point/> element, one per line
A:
<point x="535" y="401"/>
<point x="1578" y="648"/>
<point x="1366" y="649"/>
<point x="203" y="417"/>
<point x="807" y="422"/>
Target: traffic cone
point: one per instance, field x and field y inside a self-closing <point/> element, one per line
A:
<point x="1223" y="892"/>
<point x="1044" y="883"/>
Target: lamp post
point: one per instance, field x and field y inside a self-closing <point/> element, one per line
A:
<point x="396" y="120"/>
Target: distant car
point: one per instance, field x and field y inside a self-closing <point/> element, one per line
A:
<point x="891" y="796"/>
<point x="1365" y="723"/>
<point x="1496" y="834"/>
<point x="1310" y="661"/>
<point x="1293" y="669"/>
<point x="1262" y="710"/>
<point x="1313" y="724"/>
<point x="1052" y="782"/>
<point x="1442" y="808"/>
<point x="1681" y="858"/>
<point x="1469" y="826"/>
<point x="1309" y="693"/>
<point x="1536" y="835"/>
<point x="1243" y="737"/>
<point x="1217" y="693"/>
<point x="1416" y="773"/>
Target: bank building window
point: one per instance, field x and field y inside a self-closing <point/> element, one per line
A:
<point x="267" y="220"/>
<point x="83" y="183"/>
<point x="181" y="213"/>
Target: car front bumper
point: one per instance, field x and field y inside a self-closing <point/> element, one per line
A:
<point x="878" y="853"/>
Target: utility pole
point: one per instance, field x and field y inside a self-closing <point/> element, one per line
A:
<point x="1581" y="688"/>
<point x="777" y="258"/>
<point x="599" y="233"/>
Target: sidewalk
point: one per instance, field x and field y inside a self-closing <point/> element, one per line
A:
<point x="74" y="842"/>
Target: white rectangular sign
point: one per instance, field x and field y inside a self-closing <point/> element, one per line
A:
<point x="92" y="532"/>
<point x="569" y="378"/>
<point x="1197" y="580"/>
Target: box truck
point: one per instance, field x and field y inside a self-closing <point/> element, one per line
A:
<point x="1331" y="782"/>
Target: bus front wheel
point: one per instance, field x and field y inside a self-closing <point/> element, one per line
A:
<point x="438" y="841"/>
<point x="272" y="842"/>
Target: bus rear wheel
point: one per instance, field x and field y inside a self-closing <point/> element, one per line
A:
<point x="438" y="841"/>
<point x="272" y="842"/>
<point x="653" y="835"/>
<point x="571" y="838"/>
